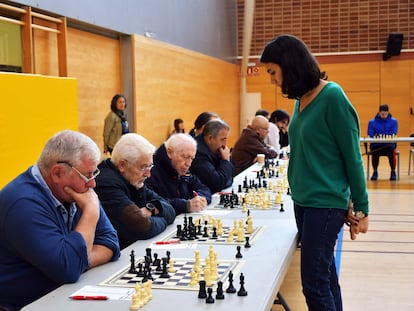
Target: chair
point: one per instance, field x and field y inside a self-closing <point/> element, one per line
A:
<point x="411" y="155"/>
<point x="397" y="153"/>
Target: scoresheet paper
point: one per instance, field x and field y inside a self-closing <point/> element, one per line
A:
<point x="113" y="293"/>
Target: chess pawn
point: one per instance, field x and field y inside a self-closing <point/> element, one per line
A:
<point x="171" y="267"/>
<point x="230" y="236"/>
<point x="193" y="281"/>
<point x="207" y="276"/>
<point x="240" y="234"/>
<point x="135" y="305"/>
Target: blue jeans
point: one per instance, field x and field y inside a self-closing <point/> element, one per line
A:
<point x="318" y="230"/>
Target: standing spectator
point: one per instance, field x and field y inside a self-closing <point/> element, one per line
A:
<point x="178" y="126"/>
<point x="201" y="121"/>
<point x="325" y="168"/>
<point x="171" y="178"/>
<point x="136" y="212"/>
<point x="116" y="123"/>
<point x="250" y="144"/>
<point x="212" y="161"/>
<point x="52" y="225"/>
<point x="382" y="125"/>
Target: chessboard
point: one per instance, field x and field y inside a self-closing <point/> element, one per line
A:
<point x="180" y="279"/>
<point x="207" y="233"/>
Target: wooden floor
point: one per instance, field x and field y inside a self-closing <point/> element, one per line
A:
<point x="377" y="269"/>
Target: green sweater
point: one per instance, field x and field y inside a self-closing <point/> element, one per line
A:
<point x="325" y="166"/>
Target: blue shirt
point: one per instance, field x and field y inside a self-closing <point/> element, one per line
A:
<point x="39" y="250"/>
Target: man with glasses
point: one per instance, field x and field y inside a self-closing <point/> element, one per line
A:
<point x="172" y="179"/>
<point x="52" y="225"/>
<point x="250" y="144"/>
<point x="137" y="212"/>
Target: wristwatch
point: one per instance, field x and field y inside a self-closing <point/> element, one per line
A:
<point x="360" y="214"/>
<point x="151" y="207"/>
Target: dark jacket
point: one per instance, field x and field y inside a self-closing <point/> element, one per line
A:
<point x="246" y="149"/>
<point x="214" y="172"/>
<point x="176" y="189"/>
<point x="122" y="203"/>
<point x="379" y="127"/>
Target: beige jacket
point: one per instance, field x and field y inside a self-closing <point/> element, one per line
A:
<point x="112" y="130"/>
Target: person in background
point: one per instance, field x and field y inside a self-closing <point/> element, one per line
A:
<point x="52" y="225"/>
<point x="171" y="178"/>
<point x="212" y="161"/>
<point x="325" y="169"/>
<point x="382" y="125"/>
<point x="137" y="212"/>
<point x="250" y="144"/>
<point x="201" y="121"/>
<point x="281" y="118"/>
<point x="116" y="123"/>
<point x="178" y="126"/>
<point x="272" y="137"/>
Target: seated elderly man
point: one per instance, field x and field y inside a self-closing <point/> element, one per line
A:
<point x="212" y="161"/>
<point x="171" y="179"/>
<point x="52" y="225"/>
<point x="250" y="144"/>
<point x="137" y="212"/>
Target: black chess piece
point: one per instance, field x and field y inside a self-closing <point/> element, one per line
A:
<point x="242" y="291"/>
<point x="247" y="244"/>
<point x="231" y="289"/>
<point x="202" y="293"/>
<point x="219" y="292"/>
<point x="164" y="273"/>
<point x="239" y="254"/>
<point x="140" y="272"/>
<point x="205" y="235"/>
<point x="214" y="236"/>
<point x="281" y="208"/>
<point x="210" y="298"/>
<point x="155" y="261"/>
<point x="148" y="251"/>
<point x="132" y="268"/>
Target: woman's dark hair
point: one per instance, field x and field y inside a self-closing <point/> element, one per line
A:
<point x="300" y="69"/>
<point x="202" y="119"/>
<point x="177" y="123"/>
<point x="279" y="115"/>
<point x="114" y="100"/>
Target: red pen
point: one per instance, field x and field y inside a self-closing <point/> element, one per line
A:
<point x="195" y="194"/>
<point x="167" y="242"/>
<point x="89" y="297"/>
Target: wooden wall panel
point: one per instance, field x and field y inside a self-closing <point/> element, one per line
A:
<point x="367" y="84"/>
<point x="45" y="50"/>
<point x="95" y="62"/>
<point x="171" y="82"/>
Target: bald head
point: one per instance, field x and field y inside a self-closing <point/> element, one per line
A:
<point x="261" y="125"/>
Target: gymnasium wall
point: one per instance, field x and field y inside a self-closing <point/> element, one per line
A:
<point x="173" y="82"/>
<point x="34" y="108"/>
<point x="367" y="81"/>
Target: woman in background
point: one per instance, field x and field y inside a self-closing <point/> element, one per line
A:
<point x="281" y="118"/>
<point x="116" y="123"/>
<point x="201" y="120"/>
<point x="178" y="126"/>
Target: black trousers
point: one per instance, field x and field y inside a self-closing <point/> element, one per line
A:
<point x="383" y="151"/>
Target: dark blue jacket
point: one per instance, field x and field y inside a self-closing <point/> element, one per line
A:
<point x="176" y="189"/>
<point x="379" y="127"/>
<point x="122" y="203"/>
<point x="214" y="172"/>
<point x="38" y="249"/>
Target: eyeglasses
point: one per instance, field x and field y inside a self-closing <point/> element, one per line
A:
<point x="143" y="168"/>
<point x="86" y="179"/>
